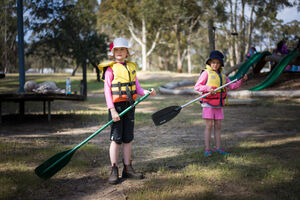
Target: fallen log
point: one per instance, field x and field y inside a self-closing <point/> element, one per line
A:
<point x="262" y="94"/>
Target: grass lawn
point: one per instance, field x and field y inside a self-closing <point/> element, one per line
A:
<point x="263" y="140"/>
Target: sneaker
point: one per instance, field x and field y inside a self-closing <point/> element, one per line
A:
<point x="114" y="175"/>
<point x="207" y="153"/>
<point x="129" y="172"/>
<point x="221" y="151"/>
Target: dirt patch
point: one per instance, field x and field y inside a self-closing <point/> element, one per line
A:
<point x="286" y="81"/>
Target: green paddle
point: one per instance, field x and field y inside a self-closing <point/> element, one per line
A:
<point x="51" y="166"/>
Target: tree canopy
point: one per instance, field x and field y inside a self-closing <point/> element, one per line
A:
<point x="166" y="35"/>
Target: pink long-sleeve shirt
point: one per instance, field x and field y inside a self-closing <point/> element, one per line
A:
<point x="202" y="87"/>
<point x="109" y="76"/>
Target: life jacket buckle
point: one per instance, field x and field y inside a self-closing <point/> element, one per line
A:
<point x="129" y="95"/>
<point x="120" y="91"/>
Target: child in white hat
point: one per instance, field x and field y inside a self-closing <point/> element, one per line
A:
<point x="121" y="88"/>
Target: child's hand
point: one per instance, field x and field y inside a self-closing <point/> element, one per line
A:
<point x="212" y="91"/>
<point x="245" y="77"/>
<point x="152" y="93"/>
<point x="114" y="114"/>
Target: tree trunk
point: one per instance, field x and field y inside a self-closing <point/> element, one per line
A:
<point x="189" y="38"/>
<point x="232" y="38"/>
<point x="74" y="70"/>
<point x="97" y="71"/>
<point x="211" y="37"/>
<point x="144" y="46"/>
<point x="250" y="25"/>
<point x="237" y="38"/>
<point x="84" y="80"/>
<point x="179" y="66"/>
<point x="143" y="41"/>
<point x="189" y="60"/>
<point x="242" y="40"/>
<point x="160" y="63"/>
<point x="167" y="61"/>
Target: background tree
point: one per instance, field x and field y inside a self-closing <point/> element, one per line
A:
<point x="168" y="35"/>
<point x="137" y="19"/>
<point x="68" y="27"/>
<point x="259" y="23"/>
<point x="8" y="35"/>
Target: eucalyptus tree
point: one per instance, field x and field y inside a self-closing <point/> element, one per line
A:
<point x="260" y="23"/>
<point x="181" y="18"/>
<point x="268" y="25"/>
<point x="139" y="20"/>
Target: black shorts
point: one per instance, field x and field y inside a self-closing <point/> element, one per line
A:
<point x="122" y="131"/>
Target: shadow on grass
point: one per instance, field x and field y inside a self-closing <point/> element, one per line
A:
<point x="57" y="120"/>
<point x="248" y="172"/>
<point x="82" y="176"/>
<point x="19" y="184"/>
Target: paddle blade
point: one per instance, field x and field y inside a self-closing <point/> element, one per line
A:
<point x="163" y="116"/>
<point x="48" y="168"/>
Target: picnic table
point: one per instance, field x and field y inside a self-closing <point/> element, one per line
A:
<point x="45" y="98"/>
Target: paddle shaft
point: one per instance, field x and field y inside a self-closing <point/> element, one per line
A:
<point x="202" y="96"/>
<point x="97" y="132"/>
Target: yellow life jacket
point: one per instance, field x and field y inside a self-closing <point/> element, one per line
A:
<point x="103" y="67"/>
<point x="215" y="80"/>
<point x="123" y="86"/>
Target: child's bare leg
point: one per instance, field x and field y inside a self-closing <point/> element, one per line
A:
<point x="114" y="152"/>
<point x="217" y="132"/>
<point x="127" y="153"/>
<point x="207" y="132"/>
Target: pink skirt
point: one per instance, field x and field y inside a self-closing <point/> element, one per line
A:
<point x="212" y="113"/>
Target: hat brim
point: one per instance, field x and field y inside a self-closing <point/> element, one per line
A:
<point x="112" y="54"/>
<point x="222" y="63"/>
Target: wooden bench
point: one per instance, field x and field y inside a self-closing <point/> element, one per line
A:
<point x="21" y="98"/>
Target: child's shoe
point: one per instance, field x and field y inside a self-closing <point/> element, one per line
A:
<point x="129" y="172"/>
<point x="114" y="175"/>
<point x="221" y="151"/>
<point x="207" y="153"/>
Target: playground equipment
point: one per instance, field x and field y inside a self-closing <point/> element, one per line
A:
<point x="256" y="58"/>
<point x="275" y="73"/>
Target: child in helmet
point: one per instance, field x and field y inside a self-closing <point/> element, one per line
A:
<point x="121" y="88"/>
<point x="210" y="79"/>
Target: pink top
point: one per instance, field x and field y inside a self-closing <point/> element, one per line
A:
<point x="201" y="87"/>
<point x="109" y="76"/>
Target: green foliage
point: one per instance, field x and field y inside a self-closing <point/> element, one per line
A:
<point x="8" y="35"/>
<point x="67" y="33"/>
<point x="67" y="28"/>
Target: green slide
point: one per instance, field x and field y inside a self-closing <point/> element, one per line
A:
<point x="275" y="73"/>
<point x="248" y="63"/>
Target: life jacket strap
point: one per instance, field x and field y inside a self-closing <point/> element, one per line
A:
<point x="129" y="95"/>
<point x="120" y="92"/>
<point x="123" y="92"/>
<point x="123" y="84"/>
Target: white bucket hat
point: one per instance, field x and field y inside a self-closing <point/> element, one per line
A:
<point x="118" y="43"/>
